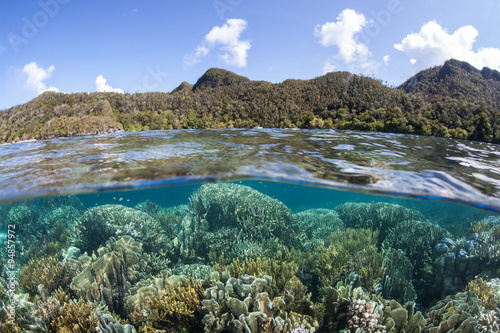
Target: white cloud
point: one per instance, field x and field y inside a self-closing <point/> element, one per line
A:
<point x="386" y="59"/>
<point x="433" y="45"/>
<point x="35" y="77"/>
<point x="101" y="86"/>
<point x="227" y="37"/>
<point x="342" y="34"/>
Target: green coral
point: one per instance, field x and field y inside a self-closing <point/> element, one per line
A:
<point x="379" y="216"/>
<point x="98" y="224"/>
<point x="225" y="216"/>
<point x="417" y="240"/>
<point x="396" y="278"/>
<point x="330" y="261"/>
<point x="317" y="224"/>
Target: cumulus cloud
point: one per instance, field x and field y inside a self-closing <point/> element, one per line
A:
<point x="342" y="34"/>
<point x="101" y="86"/>
<point x="433" y="45"/>
<point x="227" y="38"/>
<point x="386" y="59"/>
<point x="35" y="77"/>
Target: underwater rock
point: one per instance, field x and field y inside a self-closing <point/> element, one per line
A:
<point x="317" y="224"/>
<point x="456" y="313"/>
<point x="225" y="216"/>
<point x="98" y="224"/>
<point x="379" y="216"/>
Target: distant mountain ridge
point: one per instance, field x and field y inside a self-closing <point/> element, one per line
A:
<point x="453" y="100"/>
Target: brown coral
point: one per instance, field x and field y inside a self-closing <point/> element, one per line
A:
<point x="484" y="292"/>
<point x="44" y="271"/>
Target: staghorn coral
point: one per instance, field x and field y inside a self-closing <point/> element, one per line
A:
<point x="100" y="223"/>
<point x="174" y="304"/>
<point x="379" y="216"/>
<point x="282" y="271"/>
<point x="46" y="271"/>
<point x="50" y="309"/>
<point x="489" y="322"/>
<point x="330" y="262"/>
<point x="224" y="215"/>
<point x="456" y="313"/>
<point x="77" y="316"/>
<point x="484" y="291"/>
<point x="317" y="224"/>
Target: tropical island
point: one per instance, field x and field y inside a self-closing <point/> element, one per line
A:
<point x="453" y="100"/>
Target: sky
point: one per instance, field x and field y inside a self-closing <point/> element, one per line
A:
<point x="129" y="46"/>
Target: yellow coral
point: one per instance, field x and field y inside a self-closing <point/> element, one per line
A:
<point x="281" y="271"/>
<point x="330" y="262"/>
<point x="478" y="227"/>
<point x="77" y="317"/>
<point x="179" y="303"/>
<point x="42" y="270"/>
<point x="484" y="292"/>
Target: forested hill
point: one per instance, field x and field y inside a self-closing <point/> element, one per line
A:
<point x="453" y="100"/>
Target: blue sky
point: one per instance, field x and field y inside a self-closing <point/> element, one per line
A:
<point x="154" y="45"/>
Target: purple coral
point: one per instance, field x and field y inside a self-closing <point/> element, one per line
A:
<point x="300" y="329"/>
<point x="361" y="315"/>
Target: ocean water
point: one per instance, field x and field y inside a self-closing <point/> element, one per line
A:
<point x="250" y="231"/>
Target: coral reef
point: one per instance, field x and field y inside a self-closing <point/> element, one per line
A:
<point x="330" y="261"/>
<point x="484" y="292"/>
<point x="458" y="262"/>
<point x="220" y="216"/>
<point x="456" y="313"/>
<point x="42" y="271"/>
<point x="281" y="271"/>
<point x="100" y="223"/>
<point x="361" y="314"/>
<point x="172" y="302"/>
<point x="396" y="277"/>
<point x="317" y="224"/>
<point x="250" y="304"/>
<point x="417" y="240"/>
<point x="379" y="216"/>
<point x="107" y="279"/>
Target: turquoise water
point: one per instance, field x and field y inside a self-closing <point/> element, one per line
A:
<point x="250" y="231"/>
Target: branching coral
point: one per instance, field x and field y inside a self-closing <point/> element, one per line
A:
<point x="174" y="307"/>
<point x="222" y="216"/>
<point x="46" y="271"/>
<point x="317" y="224"/>
<point x="330" y="262"/>
<point x="417" y="240"/>
<point x="280" y="270"/>
<point x="376" y="216"/>
<point x="100" y="223"/>
<point x="484" y="292"/>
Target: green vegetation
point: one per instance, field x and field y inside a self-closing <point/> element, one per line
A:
<point x="454" y="100"/>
